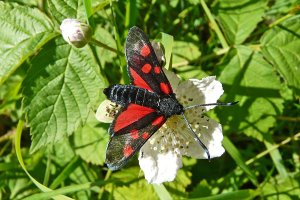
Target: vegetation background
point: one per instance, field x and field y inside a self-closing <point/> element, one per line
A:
<point x="51" y="146"/>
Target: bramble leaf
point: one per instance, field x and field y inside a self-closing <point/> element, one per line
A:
<point x="59" y="91"/>
<point x="281" y="46"/>
<point x="255" y="85"/>
<point x="239" y="18"/>
<point x="23" y="33"/>
<point x="90" y="141"/>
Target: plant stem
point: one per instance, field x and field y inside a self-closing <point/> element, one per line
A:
<point x="100" y="44"/>
<point x="214" y="25"/>
<point x="8" y="135"/>
<point x="262" y="154"/>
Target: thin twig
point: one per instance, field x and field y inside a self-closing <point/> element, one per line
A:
<point x="8" y="135"/>
<point x="295" y="137"/>
<point x="100" y="44"/>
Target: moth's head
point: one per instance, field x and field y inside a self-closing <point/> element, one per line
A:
<point x="107" y="91"/>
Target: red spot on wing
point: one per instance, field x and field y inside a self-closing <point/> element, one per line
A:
<point x="156" y="69"/>
<point x="146" y="68"/>
<point x="165" y="88"/>
<point x="158" y="121"/>
<point x="138" y="81"/>
<point x="134" y="134"/>
<point x="132" y="114"/>
<point x="145" y="51"/>
<point x="127" y="151"/>
<point x="145" y="135"/>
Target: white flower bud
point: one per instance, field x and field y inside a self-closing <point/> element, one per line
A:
<point x="75" y="32"/>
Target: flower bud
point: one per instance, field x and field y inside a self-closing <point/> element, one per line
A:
<point x="75" y="32"/>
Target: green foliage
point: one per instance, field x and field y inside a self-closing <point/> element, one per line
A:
<point x="51" y="145"/>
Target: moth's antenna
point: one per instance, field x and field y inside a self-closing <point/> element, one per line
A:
<point x="211" y="104"/>
<point x="196" y="138"/>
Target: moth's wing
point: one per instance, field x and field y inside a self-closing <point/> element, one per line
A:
<point x="143" y="67"/>
<point x="132" y="127"/>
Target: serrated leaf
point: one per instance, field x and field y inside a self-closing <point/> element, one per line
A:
<point x="132" y="187"/>
<point x="239" y="18"/>
<point x="181" y="182"/>
<point x="249" y="79"/>
<point x="283" y="189"/>
<point x="91" y="141"/>
<point x="59" y="91"/>
<point x="23" y="33"/>
<point x="62" y="9"/>
<point x="281" y="46"/>
<point x="183" y="52"/>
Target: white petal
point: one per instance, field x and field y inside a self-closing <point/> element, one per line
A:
<point x="194" y="91"/>
<point x="107" y="111"/>
<point x="211" y="136"/>
<point x="159" y="167"/>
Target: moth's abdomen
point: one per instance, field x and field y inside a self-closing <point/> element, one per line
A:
<point x="126" y="94"/>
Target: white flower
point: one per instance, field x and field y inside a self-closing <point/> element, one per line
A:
<point x="75" y="32"/>
<point x="160" y="157"/>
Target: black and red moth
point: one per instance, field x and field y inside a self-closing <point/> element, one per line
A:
<point x="146" y="104"/>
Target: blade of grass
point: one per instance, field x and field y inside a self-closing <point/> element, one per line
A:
<point x="89" y="13"/>
<point x="20" y="159"/>
<point x="162" y="192"/>
<point x="237" y="157"/>
<point x="235" y="195"/>
<point x="64" y="190"/>
<point x="131" y="13"/>
<point x="276" y="156"/>
<point x="75" y="162"/>
<point x="123" y="68"/>
<point x="214" y="24"/>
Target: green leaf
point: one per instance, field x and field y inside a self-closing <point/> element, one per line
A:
<point x="62" y="9"/>
<point x="237" y="157"/>
<point x="181" y="182"/>
<point x="249" y="79"/>
<point x="283" y="189"/>
<point x="57" y="195"/>
<point x="281" y="45"/>
<point x="106" y="38"/>
<point x="167" y="42"/>
<point x="60" y="89"/>
<point x="238" y="19"/>
<point x="91" y="141"/>
<point x="133" y="185"/>
<point x="184" y="52"/>
<point x="235" y="195"/>
<point x="23" y="33"/>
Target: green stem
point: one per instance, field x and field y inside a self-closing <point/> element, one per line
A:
<point x="202" y="58"/>
<point x="214" y="25"/>
<point x="262" y="154"/>
<point x="278" y="21"/>
<point x="123" y="68"/>
<point x="100" y="44"/>
<point x="102" y="189"/>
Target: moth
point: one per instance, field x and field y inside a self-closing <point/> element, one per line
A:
<point x="146" y="104"/>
